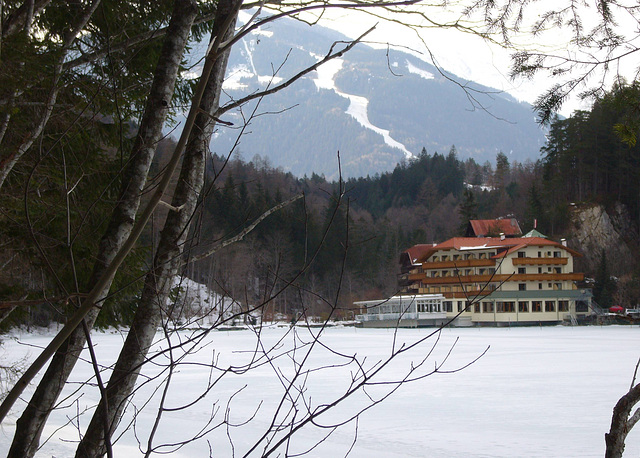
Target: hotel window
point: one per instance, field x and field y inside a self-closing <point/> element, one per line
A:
<point x="448" y="306"/>
<point x="557" y="286"/>
<point x="521" y="254"/>
<point x="522" y="270"/>
<point x="582" y="306"/>
<point x="539" y="254"/>
<point x="460" y="306"/>
<point x="549" y="306"/>
<point x="523" y="307"/>
<point x="476" y="307"/>
<point x="456" y="257"/>
<point x="563" y="306"/>
<point x="556" y="254"/>
<point x="539" y="270"/>
<point x="481" y="271"/>
<point x="539" y="285"/>
<point x="522" y="286"/>
<point x="558" y="270"/>
<point x="487" y="307"/>
<point x="445" y="257"/>
<point x="536" y="306"/>
<point x="505" y="307"/>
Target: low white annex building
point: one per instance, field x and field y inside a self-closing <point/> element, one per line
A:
<point x="410" y="311"/>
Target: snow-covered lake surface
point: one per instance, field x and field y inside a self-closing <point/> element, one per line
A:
<point x="536" y="392"/>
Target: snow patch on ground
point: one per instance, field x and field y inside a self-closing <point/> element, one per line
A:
<point x="418" y="71"/>
<point x="200" y="306"/>
<point x="235" y="76"/>
<point x="241" y="72"/>
<point x="357" y="104"/>
<point x="481" y="187"/>
<point x="264" y="33"/>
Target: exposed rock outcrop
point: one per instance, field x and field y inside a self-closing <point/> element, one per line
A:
<point x="596" y="228"/>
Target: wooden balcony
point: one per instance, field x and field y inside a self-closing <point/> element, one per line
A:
<point x="457" y="294"/>
<point x="548" y="277"/>
<point x="539" y="261"/>
<point x="459" y="264"/>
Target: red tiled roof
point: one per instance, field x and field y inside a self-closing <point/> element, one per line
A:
<point x="483" y="227"/>
<point x="419" y="253"/>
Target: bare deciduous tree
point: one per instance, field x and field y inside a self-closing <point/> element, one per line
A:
<point x="623" y="420"/>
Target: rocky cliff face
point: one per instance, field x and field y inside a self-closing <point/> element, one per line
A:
<point x="596" y="228"/>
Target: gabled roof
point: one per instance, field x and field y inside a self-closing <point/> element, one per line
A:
<point x="534" y="233"/>
<point x="416" y="253"/>
<point x="483" y="227"/>
<point x="419" y="253"/>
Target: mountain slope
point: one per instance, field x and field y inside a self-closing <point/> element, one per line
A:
<point x="374" y="109"/>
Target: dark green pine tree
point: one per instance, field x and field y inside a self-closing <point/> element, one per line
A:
<point x="468" y="210"/>
<point x="534" y="215"/>
<point x="605" y="286"/>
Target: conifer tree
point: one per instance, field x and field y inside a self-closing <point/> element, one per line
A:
<point x="468" y="210"/>
<point x="605" y="286"/>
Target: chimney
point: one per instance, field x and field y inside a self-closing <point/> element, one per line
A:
<point x="501" y="235"/>
<point x="564" y="242"/>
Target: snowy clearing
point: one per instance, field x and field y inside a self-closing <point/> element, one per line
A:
<point x="418" y="71"/>
<point x="537" y="392"/>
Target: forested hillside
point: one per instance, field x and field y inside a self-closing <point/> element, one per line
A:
<point x="366" y="222"/>
<point x="344" y="105"/>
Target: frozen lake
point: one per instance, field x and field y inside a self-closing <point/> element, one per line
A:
<point x="536" y="392"/>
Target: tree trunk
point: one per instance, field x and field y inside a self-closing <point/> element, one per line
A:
<point x="152" y="307"/>
<point x="34" y="417"/>
<point x="621" y="424"/>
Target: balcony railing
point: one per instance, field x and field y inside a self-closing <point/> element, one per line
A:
<point x="539" y="261"/>
<point x="550" y="277"/>
<point x="459" y="264"/>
